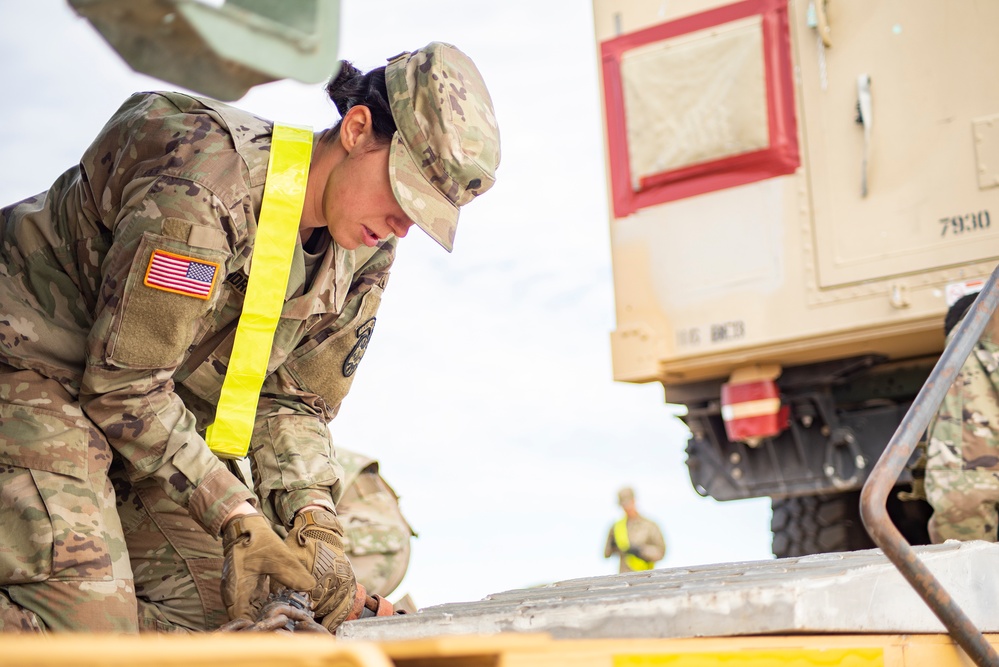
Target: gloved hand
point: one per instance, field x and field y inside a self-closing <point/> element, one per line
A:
<point x="252" y="551"/>
<point x="316" y="538"/>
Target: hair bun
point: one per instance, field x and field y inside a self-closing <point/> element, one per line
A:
<point x="337" y="86"/>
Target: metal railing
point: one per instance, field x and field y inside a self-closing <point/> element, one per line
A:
<point x="873" y="497"/>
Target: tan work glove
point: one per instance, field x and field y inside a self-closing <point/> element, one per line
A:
<point x="316" y="538"/>
<point x="253" y="551"/>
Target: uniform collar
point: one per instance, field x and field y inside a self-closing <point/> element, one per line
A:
<point x="329" y="288"/>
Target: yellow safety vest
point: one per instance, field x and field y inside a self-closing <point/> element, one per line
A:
<point x="623" y="544"/>
<point x="273" y="249"/>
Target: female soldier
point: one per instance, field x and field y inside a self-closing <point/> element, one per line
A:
<point x="121" y="294"/>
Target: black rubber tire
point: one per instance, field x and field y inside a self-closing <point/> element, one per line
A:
<point x="818" y="524"/>
<point x="821" y="524"/>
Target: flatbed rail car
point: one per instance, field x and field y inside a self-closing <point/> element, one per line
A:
<point x="830" y="609"/>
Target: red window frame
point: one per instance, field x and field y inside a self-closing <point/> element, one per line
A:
<point x="779" y="158"/>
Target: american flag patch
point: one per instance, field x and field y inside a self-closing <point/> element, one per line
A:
<point x="181" y="275"/>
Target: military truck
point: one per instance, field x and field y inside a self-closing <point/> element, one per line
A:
<point x="798" y="190"/>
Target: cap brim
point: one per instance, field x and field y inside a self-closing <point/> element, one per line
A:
<point x="423" y="203"/>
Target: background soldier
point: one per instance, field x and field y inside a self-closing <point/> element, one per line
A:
<point x="962" y="451"/>
<point x="636" y="539"/>
<point x="376" y="535"/>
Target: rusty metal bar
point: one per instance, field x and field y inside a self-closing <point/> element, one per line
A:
<point x="874" y="496"/>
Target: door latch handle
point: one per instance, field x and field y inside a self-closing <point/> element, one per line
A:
<point x="865" y="118"/>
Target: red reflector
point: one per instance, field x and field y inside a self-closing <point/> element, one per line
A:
<point x="752" y="410"/>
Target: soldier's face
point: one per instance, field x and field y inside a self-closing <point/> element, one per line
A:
<point x="358" y="203"/>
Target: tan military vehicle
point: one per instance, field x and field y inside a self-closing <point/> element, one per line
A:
<point x="798" y="190"/>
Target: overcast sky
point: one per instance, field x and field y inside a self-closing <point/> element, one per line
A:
<point x="486" y="392"/>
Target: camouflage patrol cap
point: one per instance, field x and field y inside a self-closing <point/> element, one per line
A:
<point x="446" y="147"/>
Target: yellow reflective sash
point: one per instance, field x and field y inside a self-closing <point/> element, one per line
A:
<point x="273" y="249"/>
<point x="623" y="544"/>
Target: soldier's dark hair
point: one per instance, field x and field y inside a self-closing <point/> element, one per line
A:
<point x="957" y="312"/>
<point x="351" y="87"/>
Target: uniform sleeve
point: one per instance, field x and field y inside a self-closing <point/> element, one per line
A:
<point x="987" y="350"/>
<point x="990" y="333"/>
<point x="294" y="463"/>
<point x="293" y="456"/>
<point x="610" y="547"/>
<point x="160" y="283"/>
<point x="654" y="546"/>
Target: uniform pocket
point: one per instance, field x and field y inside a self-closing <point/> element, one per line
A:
<point x="34" y="443"/>
<point x="26" y="555"/>
<point x="41" y="439"/>
<point x="326" y="367"/>
<point x="56" y="505"/>
<point x="170" y="288"/>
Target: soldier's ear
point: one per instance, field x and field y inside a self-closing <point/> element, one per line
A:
<point x="355" y="124"/>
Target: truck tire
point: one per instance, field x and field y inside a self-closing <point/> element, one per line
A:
<point x="808" y="525"/>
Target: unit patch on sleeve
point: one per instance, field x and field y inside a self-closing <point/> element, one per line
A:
<point x="181" y="275"/>
<point x="356" y="352"/>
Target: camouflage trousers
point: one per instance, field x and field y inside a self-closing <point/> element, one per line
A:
<point x="964" y="504"/>
<point x="81" y="548"/>
<point x="84" y="549"/>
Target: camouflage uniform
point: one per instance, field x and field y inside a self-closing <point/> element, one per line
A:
<point x="962" y="469"/>
<point x="644" y="535"/>
<point x="376" y="535"/>
<point x="107" y="383"/>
